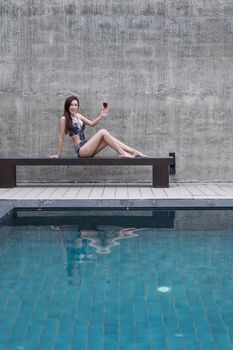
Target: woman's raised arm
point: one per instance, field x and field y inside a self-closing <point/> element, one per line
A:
<point x="94" y="122"/>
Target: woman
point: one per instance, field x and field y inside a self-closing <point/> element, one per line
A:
<point x="73" y="123"/>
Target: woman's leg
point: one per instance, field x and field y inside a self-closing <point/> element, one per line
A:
<point x="131" y="150"/>
<point x="100" y="147"/>
<point x="126" y="148"/>
<point x="99" y="141"/>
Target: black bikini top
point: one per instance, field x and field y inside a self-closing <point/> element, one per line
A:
<point x="77" y="129"/>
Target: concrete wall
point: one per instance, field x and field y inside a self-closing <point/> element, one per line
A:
<point x="164" y="66"/>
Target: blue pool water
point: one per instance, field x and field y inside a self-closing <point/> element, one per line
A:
<point x="85" y="283"/>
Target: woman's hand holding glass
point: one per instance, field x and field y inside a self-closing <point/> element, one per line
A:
<point x="105" y="109"/>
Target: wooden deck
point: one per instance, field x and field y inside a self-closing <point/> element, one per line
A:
<point x="194" y="194"/>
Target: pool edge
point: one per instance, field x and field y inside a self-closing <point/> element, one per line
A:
<point x="7" y="205"/>
<point x="5" y="209"/>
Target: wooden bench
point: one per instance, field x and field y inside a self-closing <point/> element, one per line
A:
<point x="161" y="167"/>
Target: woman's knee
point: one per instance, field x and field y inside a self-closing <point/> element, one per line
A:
<point x="103" y="132"/>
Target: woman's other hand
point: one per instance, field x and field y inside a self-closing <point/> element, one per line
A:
<point x="54" y="156"/>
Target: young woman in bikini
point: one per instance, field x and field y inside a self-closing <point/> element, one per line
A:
<point x="73" y="123"/>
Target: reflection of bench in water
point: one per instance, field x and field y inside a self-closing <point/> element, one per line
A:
<point x="152" y="218"/>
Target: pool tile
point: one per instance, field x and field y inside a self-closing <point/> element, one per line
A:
<point x="222" y="342"/>
<point x="12" y="345"/>
<point x="170" y="322"/>
<point x="96" y="318"/>
<point x="230" y="333"/>
<point x="186" y="324"/>
<point x="209" y="345"/>
<point x="126" y="331"/>
<point x="111" y="323"/>
<point x="228" y="323"/>
<point x="64" y="345"/>
<point x="78" y="344"/>
<point x="190" y="341"/>
<point x="174" y="343"/>
<point x="110" y="342"/>
<point x="157" y="341"/>
<point x="46" y="342"/>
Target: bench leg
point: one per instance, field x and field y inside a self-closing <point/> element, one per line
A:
<point x="160" y="176"/>
<point x="7" y="175"/>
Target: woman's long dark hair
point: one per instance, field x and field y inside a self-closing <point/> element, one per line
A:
<point x="67" y="113"/>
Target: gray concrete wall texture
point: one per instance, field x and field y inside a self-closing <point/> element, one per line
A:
<point x="164" y="66"/>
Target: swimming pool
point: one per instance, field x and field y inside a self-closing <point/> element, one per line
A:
<point x="123" y="280"/>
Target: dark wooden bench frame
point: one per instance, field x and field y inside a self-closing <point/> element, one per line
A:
<point x="161" y="167"/>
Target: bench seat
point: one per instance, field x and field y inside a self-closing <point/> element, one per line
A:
<point x="161" y="167"/>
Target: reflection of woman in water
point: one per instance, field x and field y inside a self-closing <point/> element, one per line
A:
<point x="106" y="237"/>
<point x="74" y="254"/>
<point x="103" y="238"/>
<point x="77" y="253"/>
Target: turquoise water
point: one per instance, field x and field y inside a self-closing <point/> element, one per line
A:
<point x="92" y="285"/>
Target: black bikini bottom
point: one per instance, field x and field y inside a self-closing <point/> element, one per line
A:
<point x="77" y="147"/>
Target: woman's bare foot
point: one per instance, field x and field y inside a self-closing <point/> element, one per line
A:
<point x="125" y="155"/>
<point x="139" y="155"/>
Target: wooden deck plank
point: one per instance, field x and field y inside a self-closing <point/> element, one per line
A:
<point x="46" y="193"/>
<point x="59" y="192"/>
<point x="72" y="192"/>
<point x="84" y="192"/>
<point x="96" y="192"/>
<point x="33" y="194"/>
<point x="178" y="191"/>
<point x="134" y="192"/>
<point x="4" y="190"/>
<point x="146" y="192"/>
<point x="159" y="193"/>
<point x="121" y="192"/>
<point x="215" y="188"/>
<point x="230" y="185"/>
<point x="226" y="188"/>
<point x="11" y="193"/>
<point x="109" y="192"/>
<point x="182" y="190"/>
<point x="24" y="191"/>
<point x="206" y="190"/>
<point x="193" y="189"/>
<point x="173" y="192"/>
<point x="186" y="189"/>
<point x="18" y="192"/>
